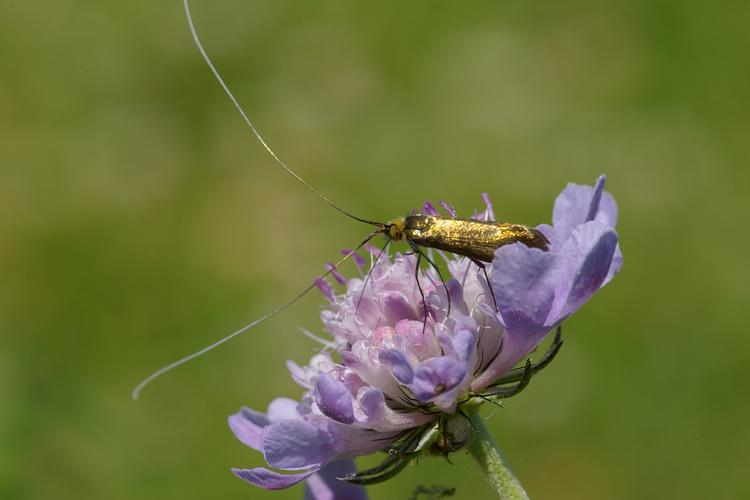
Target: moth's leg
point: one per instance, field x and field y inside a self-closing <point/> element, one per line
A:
<point x="442" y="280"/>
<point x="483" y="267"/>
<point x="367" y="279"/>
<point x="419" y="286"/>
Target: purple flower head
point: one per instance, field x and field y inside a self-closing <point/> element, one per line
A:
<point x="394" y="378"/>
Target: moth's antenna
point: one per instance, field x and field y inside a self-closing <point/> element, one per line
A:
<point x="161" y="371"/>
<point x="252" y="127"/>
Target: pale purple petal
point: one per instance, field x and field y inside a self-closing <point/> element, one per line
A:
<point x="325" y="289"/>
<point x="429" y="209"/>
<point x="398" y="363"/>
<point x="283" y="409"/>
<point x="448" y="208"/>
<point x="371" y="401"/>
<point x="587" y="256"/>
<point x="488" y="204"/>
<point x="297" y="373"/>
<point x="436" y="376"/>
<point x="571" y="209"/>
<point x="296" y="444"/>
<point x="456" y="294"/>
<point x="334" y="399"/>
<point x="331" y="267"/>
<point x="616" y="265"/>
<point x="248" y="426"/>
<point x="358" y="259"/>
<point x="464" y="344"/>
<point x="523" y="280"/>
<point x="271" y="480"/>
<point x="326" y="485"/>
<point x="607" y="213"/>
<point x="595" y="198"/>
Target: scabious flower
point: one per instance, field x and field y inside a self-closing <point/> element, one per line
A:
<point x="392" y="379"/>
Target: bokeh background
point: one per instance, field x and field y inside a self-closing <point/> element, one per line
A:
<point x="139" y="221"/>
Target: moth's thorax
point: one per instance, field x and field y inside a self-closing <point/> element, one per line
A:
<point x="416" y="225"/>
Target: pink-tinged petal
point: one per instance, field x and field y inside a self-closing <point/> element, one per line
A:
<point x="248" y="426"/>
<point x="421" y="340"/>
<point x="395" y="307"/>
<point x="296" y="444"/>
<point x="523" y="280"/>
<point x="326" y="485"/>
<point x="283" y="409"/>
<point x="587" y="257"/>
<point x="271" y="480"/>
<point x="334" y="399"/>
<point x="398" y="363"/>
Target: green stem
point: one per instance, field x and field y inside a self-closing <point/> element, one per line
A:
<point x="485" y="451"/>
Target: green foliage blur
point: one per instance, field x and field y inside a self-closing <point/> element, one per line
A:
<point x="140" y="221"/>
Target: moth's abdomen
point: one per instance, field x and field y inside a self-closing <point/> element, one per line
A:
<point x="470" y="238"/>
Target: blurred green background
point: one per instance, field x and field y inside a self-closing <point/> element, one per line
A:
<point x="139" y="221"/>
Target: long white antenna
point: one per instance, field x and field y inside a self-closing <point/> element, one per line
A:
<point x="161" y="371"/>
<point x="252" y="127"/>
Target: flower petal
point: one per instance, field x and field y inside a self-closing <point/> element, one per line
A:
<point x="395" y="307"/>
<point x="489" y="213"/>
<point x="448" y="208"/>
<point x="523" y="280"/>
<point x="436" y="376"/>
<point x="296" y="444"/>
<point x="616" y="265"/>
<point x="587" y="258"/>
<point x="578" y="204"/>
<point x="596" y="198"/>
<point x="464" y="344"/>
<point x="396" y="360"/>
<point x="283" y="409"/>
<point x="358" y="259"/>
<point x="429" y="209"/>
<point x="325" y="288"/>
<point x="334" y="399"/>
<point x="248" y="426"/>
<point x="271" y="480"/>
<point x="326" y="485"/>
<point x="607" y="213"/>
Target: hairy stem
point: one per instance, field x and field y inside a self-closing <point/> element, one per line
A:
<point x="485" y="451"/>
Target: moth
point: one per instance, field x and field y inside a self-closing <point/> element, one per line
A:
<point x="470" y="238"/>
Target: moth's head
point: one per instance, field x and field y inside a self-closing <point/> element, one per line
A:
<point x="394" y="229"/>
